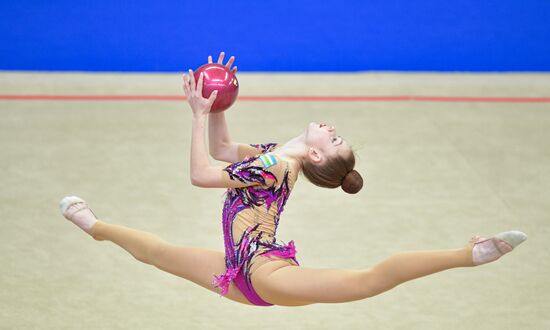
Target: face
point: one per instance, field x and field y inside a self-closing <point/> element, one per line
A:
<point x="323" y="141"/>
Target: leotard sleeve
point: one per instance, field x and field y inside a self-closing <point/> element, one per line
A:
<point x="250" y="150"/>
<point x="262" y="170"/>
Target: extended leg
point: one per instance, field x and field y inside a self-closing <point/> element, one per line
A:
<point x="194" y="264"/>
<point x="291" y="285"/>
<point x="297" y="285"/>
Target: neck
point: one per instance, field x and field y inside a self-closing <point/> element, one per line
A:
<point x="294" y="151"/>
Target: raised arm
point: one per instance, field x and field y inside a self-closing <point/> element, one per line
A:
<point x="202" y="173"/>
<point x="220" y="145"/>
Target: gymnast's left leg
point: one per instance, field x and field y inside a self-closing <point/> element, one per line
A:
<point x="293" y="285"/>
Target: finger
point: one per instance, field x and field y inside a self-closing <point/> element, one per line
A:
<point x="220" y="59"/>
<point x="186" y="85"/>
<point x="186" y="88"/>
<point x="192" y="78"/>
<point x="186" y="79"/>
<point x="230" y="62"/>
<point x="209" y="59"/>
<point x="234" y="70"/>
<point x="212" y="97"/>
<point x="200" y="82"/>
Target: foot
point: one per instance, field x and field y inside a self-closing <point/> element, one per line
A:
<point x="77" y="211"/>
<point x="486" y="250"/>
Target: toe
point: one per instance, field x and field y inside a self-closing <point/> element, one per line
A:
<point x="513" y="237"/>
<point x="67" y="201"/>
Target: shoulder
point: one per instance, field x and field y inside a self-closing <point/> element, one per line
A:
<point x="249" y="150"/>
<point x="265" y="148"/>
<point x="276" y="165"/>
<point x="269" y="160"/>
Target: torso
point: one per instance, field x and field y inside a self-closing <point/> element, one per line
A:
<point x="251" y="215"/>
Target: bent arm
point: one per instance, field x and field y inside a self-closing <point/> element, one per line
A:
<point x="199" y="157"/>
<point x="202" y="173"/>
<point x="220" y="145"/>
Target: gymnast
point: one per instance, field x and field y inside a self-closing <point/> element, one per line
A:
<point x="256" y="268"/>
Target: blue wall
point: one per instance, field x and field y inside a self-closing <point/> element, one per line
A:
<point x="322" y="35"/>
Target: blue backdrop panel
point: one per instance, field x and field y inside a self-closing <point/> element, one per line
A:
<point x="329" y="35"/>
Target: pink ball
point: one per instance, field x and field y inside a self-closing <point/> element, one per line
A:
<point x="218" y="77"/>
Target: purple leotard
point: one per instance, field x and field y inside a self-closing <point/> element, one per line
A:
<point x="239" y="255"/>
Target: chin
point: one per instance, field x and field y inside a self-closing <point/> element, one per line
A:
<point x="313" y="125"/>
<point x="310" y="129"/>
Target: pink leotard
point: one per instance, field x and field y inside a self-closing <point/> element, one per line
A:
<point x="251" y="216"/>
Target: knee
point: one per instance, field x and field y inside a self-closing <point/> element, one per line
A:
<point x="372" y="283"/>
<point x="152" y="253"/>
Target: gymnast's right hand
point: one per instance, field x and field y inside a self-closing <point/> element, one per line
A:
<point x="193" y="91"/>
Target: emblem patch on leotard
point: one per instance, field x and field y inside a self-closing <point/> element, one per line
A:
<point x="268" y="160"/>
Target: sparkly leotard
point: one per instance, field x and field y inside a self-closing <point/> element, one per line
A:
<point x="251" y="216"/>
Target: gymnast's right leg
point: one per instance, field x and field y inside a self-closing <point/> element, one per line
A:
<point x="194" y="264"/>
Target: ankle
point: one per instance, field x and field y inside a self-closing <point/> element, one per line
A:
<point x="97" y="229"/>
<point x="467" y="256"/>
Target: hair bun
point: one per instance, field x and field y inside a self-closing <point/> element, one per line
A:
<point x="352" y="182"/>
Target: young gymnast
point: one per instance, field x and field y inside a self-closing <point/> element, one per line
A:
<point x="257" y="269"/>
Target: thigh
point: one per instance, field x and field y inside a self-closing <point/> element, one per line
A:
<point x="197" y="265"/>
<point x="296" y="285"/>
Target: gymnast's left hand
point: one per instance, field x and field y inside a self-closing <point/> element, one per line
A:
<point x="193" y="91"/>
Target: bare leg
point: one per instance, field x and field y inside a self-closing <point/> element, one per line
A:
<point x="194" y="264"/>
<point x="295" y="285"/>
